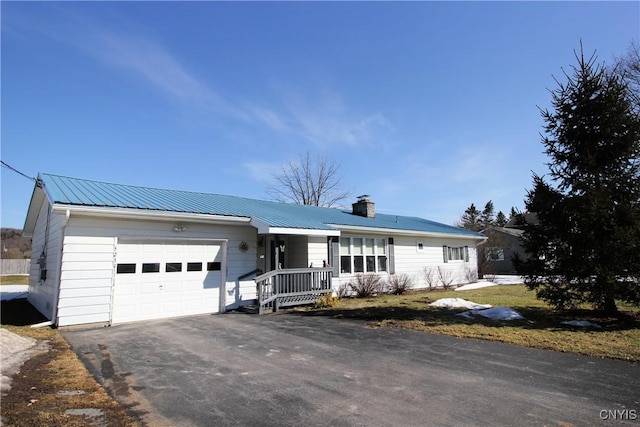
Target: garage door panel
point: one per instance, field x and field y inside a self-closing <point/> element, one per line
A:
<point x="167" y="288"/>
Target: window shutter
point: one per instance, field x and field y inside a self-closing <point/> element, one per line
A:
<point x="334" y="243"/>
<point x="445" y="254"/>
<point x="392" y="257"/>
<point x="466" y="253"/>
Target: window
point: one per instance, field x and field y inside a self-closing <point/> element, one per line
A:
<point x="213" y="266"/>
<point x="173" y="267"/>
<point x="194" y="266"/>
<point x="126" y="269"/>
<point x="151" y="267"/>
<point x="455" y="253"/>
<point x="495" y="254"/>
<point x="345" y="255"/>
<point x="362" y="255"/>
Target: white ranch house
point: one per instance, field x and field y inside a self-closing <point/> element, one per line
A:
<point x="111" y="253"/>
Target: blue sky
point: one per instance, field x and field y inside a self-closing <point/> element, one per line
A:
<point x="428" y="106"/>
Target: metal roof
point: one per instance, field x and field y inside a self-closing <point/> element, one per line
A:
<point x="81" y="192"/>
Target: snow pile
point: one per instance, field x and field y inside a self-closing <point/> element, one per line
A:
<point x="496" y="313"/>
<point x="582" y="324"/>
<point x="458" y="303"/>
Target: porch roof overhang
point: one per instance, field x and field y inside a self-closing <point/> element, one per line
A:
<point x="264" y="228"/>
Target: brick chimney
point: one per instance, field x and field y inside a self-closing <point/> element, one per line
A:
<point x="364" y="207"/>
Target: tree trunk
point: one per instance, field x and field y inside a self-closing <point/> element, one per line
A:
<point x="608" y="304"/>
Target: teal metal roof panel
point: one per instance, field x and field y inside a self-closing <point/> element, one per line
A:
<point x="82" y="192"/>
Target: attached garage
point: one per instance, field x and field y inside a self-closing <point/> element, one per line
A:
<point x="157" y="279"/>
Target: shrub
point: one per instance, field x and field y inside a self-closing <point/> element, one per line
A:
<point x="326" y="301"/>
<point x="470" y="274"/>
<point x="366" y="285"/>
<point x="399" y="284"/>
<point x="343" y="291"/>
<point x="430" y="277"/>
<point x="445" y="276"/>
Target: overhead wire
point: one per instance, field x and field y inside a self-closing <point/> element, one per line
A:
<point x="8" y="166"/>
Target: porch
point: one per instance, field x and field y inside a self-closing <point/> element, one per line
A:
<point x="294" y="286"/>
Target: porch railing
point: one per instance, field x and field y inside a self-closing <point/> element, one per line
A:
<point x="293" y="286"/>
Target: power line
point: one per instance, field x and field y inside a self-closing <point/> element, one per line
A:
<point x="16" y="170"/>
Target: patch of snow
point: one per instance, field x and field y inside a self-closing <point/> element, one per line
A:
<point x="9" y="292"/>
<point x="508" y="280"/>
<point x="582" y="324"/>
<point x="458" y="303"/>
<point x="15" y="350"/>
<point x="497" y="280"/>
<point x="496" y="313"/>
<point x="476" y="285"/>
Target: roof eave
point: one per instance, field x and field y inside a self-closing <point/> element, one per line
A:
<point x="129" y="213"/>
<point x="404" y="232"/>
<point x="35" y="204"/>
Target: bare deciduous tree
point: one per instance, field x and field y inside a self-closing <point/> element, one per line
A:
<point x="309" y="181"/>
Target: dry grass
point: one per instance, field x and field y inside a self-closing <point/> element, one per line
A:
<point x="619" y="337"/>
<point x="54" y="388"/>
<point x="14" y="279"/>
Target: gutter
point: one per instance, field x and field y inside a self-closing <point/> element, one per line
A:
<point x="405" y="232"/>
<point x="141" y="214"/>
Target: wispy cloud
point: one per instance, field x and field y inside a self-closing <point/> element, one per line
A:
<point x="261" y="171"/>
<point x="317" y="117"/>
<point x="325" y="119"/>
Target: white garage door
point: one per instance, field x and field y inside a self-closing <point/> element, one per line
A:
<point x="155" y="280"/>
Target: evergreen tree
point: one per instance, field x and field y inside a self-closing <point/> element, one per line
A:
<point x="487" y="217"/>
<point x="501" y="219"/>
<point x="584" y="248"/>
<point x="471" y="219"/>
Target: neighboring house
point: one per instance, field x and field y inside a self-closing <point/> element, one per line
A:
<point x="110" y="253"/>
<point x="496" y="253"/>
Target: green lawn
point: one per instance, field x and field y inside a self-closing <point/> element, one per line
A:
<point x="618" y="338"/>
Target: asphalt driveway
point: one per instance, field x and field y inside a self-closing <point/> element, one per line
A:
<point x="290" y="370"/>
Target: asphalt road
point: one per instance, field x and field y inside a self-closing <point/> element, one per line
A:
<point x="290" y="370"/>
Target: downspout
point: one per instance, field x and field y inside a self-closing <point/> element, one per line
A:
<point x="54" y="315"/>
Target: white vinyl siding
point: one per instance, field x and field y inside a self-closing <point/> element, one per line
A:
<point x="409" y="261"/>
<point x="42" y="294"/>
<point x="85" y="280"/>
<point x="318" y="251"/>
